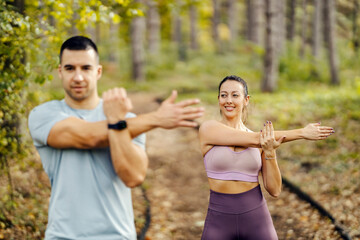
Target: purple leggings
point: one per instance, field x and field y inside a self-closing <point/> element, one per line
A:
<point x="238" y="216"/>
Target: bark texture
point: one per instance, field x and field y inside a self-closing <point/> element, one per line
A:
<point x="329" y="12"/>
<point x="137" y="35"/>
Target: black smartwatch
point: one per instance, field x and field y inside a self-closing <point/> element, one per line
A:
<point x="120" y="125"/>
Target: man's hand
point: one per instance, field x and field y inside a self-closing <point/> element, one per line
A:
<point x="172" y="115"/>
<point x="116" y="104"/>
<point x="313" y="131"/>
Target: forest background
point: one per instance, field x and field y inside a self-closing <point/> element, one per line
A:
<point x="300" y="58"/>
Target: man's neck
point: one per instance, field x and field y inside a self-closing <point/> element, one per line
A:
<point x="88" y="104"/>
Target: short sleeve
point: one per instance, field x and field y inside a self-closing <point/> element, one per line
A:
<point x="42" y="118"/>
<point x="141" y="139"/>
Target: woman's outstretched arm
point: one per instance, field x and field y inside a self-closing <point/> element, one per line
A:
<point x="213" y="132"/>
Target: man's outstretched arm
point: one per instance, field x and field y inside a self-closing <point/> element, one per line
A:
<point x="168" y="115"/>
<point x="73" y="132"/>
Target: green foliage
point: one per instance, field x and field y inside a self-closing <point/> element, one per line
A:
<point x="24" y="60"/>
<point x="203" y="71"/>
<point x="16" y="33"/>
<point x="293" y="68"/>
<point x="76" y="16"/>
<point x="28" y="50"/>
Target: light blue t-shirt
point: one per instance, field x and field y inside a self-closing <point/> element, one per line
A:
<point x="88" y="200"/>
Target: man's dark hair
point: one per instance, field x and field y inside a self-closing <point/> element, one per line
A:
<point x="78" y="43"/>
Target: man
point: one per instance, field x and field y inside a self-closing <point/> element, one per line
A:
<point x="93" y="149"/>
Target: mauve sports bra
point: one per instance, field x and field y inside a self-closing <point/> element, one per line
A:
<point x="225" y="164"/>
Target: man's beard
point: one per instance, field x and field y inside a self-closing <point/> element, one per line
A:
<point x="77" y="97"/>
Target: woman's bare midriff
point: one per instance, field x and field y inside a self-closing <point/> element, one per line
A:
<point x="231" y="186"/>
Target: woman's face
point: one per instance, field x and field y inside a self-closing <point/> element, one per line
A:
<point x="232" y="99"/>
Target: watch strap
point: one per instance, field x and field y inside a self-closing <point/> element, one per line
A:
<point x="120" y="125"/>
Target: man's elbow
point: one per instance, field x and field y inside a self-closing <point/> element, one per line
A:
<point x="131" y="179"/>
<point x="135" y="181"/>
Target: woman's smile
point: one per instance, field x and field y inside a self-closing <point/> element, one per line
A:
<point x="229" y="108"/>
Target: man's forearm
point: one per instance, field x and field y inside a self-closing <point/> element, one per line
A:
<point x="136" y="126"/>
<point x="141" y="124"/>
<point x="77" y="133"/>
<point x="129" y="160"/>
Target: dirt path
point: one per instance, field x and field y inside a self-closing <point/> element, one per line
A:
<point x="178" y="190"/>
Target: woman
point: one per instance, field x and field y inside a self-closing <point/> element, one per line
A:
<point x="234" y="157"/>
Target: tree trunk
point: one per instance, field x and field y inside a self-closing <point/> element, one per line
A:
<point x="153" y="26"/>
<point x="356" y="37"/>
<point x="279" y="25"/>
<point x="113" y="38"/>
<point x="180" y="42"/>
<point x="97" y="32"/>
<point x="137" y="34"/>
<point x="19" y="5"/>
<point x="303" y="29"/>
<point x="324" y="23"/>
<point x="75" y="17"/>
<point x="177" y="33"/>
<point x="175" y="20"/>
<point x="249" y="16"/>
<point x="94" y="32"/>
<point x="316" y="35"/>
<point x="232" y="19"/>
<point x="330" y="36"/>
<point x="254" y="11"/>
<point x="215" y="23"/>
<point x="52" y="21"/>
<point x="193" y="27"/>
<point x="291" y="19"/>
<point x="271" y="62"/>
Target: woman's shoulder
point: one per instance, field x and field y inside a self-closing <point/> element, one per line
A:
<point x="205" y="131"/>
<point x="209" y="124"/>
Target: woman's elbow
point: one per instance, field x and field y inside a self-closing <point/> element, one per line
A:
<point x="274" y="191"/>
<point x="275" y="194"/>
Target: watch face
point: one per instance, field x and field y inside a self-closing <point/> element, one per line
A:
<point x="118" y="126"/>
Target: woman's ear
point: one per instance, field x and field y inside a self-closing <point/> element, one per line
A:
<point x="247" y="100"/>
